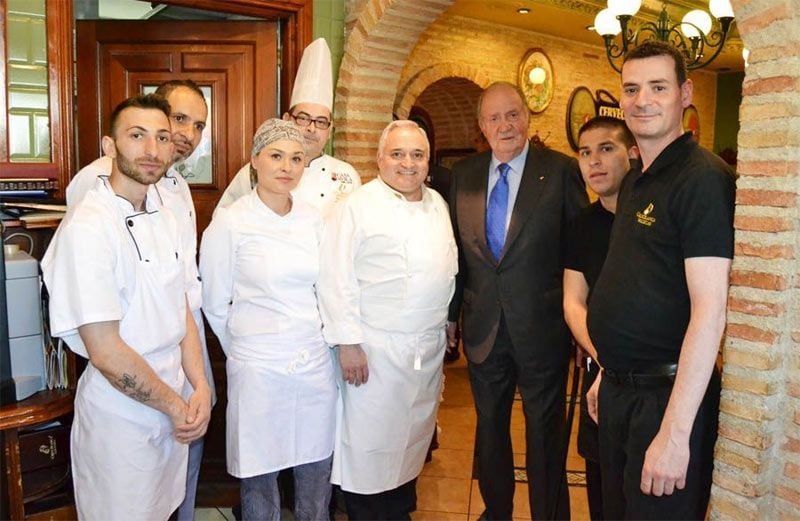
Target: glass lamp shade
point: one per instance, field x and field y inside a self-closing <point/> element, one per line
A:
<point x="537" y="75"/>
<point x="606" y="23"/>
<point x="694" y="20"/>
<point x="720" y="8"/>
<point x="626" y="7"/>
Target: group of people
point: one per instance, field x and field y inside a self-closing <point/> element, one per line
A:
<point x="334" y="304"/>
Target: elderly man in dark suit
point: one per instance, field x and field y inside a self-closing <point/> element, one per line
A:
<point x="509" y="208"/>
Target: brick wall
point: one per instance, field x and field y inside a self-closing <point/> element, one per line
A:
<point x="450" y="103"/>
<point x="757" y="467"/>
<point x="465" y="46"/>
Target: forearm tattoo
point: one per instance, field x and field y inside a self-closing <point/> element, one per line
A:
<point x="128" y="385"/>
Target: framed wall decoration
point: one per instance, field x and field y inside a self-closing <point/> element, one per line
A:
<point x="536" y="80"/>
<point x="691" y="121"/>
<point x="581" y="107"/>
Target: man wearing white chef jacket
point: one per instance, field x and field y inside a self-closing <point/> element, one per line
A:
<point x="385" y="285"/>
<point x="188" y="114"/>
<point x="326" y="180"/>
<point x="115" y="272"/>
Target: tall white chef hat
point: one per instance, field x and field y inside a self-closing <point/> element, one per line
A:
<point x="314" y="80"/>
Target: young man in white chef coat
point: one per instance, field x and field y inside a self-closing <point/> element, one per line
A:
<point x="188" y="115"/>
<point x="384" y="289"/>
<point x="326" y="180"/>
<point x="116" y="273"/>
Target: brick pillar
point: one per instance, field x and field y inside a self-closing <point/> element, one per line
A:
<point x="757" y="465"/>
<point x="378" y="45"/>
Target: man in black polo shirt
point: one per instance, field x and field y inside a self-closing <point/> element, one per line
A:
<point x="657" y="312"/>
<point x="605" y="150"/>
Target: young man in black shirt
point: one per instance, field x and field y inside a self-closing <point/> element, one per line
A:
<point x="657" y="313"/>
<point x="606" y="148"/>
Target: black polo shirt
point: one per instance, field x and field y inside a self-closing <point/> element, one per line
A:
<point x="681" y="207"/>
<point x="587" y="242"/>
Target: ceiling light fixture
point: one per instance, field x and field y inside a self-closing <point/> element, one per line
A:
<point x="692" y="36"/>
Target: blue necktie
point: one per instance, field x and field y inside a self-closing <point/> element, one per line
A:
<point x="496" y="212"/>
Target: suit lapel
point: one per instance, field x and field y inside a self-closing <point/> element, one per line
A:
<point x="475" y="203"/>
<point x="534" y="178"/>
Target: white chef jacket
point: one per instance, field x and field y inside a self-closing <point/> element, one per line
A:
<point x="109" y="262"/>
<point x="260" y="272"/>
<point x="171" y="191"/>
<point x="386" y="283"/>
<point x="325" y="182"/>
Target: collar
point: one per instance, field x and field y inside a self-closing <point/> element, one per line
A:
<point x="677" y="149"/>
<point x="517" y="163"/>
<point x="319" y="158"/>
<point x="397" y="196"/>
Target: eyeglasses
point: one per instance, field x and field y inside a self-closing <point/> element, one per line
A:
<point x="305" y="120"/>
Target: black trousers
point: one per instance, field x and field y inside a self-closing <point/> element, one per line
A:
<point x="588" y="446"/>
<point x="395" y="504"/>
<point x="543" y="389"/>
<point x="630" y="417"/>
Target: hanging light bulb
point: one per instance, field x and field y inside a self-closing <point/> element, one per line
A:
<point x="606" y="23"/>
<point x="694" y="21"/>
<point x="720" y="8"/>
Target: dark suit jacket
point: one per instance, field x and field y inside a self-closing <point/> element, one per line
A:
<point x="526" y="283"/>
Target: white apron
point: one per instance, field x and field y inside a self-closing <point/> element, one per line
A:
<point x="281" y="405"/>
<point x="126" y="463"/>
<point x="384" y="427"/>
<point x="260" y="272"/>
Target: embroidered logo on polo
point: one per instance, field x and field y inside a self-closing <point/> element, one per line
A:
<point x="643" y="217"/>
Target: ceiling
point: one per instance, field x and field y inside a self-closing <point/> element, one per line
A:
<point x="570" y="18"/>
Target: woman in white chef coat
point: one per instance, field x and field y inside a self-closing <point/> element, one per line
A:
<point x="259" y="261"/>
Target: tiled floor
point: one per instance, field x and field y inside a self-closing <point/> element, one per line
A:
<point x="445" y="489"/>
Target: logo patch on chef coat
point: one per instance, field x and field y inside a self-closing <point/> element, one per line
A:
<point x="644" y="217"/>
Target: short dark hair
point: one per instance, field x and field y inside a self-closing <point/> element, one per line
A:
<point x="166" y="88"/>
<point x="652" y="48"/>
<point x="141" y="101"/>
<point x="612" y="123"/>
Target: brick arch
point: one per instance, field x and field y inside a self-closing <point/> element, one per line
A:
<point x="451" y="104"/>
<point x="377" y="48"/>
<point x="416" y="85"/>
<point x="757" y="457"/>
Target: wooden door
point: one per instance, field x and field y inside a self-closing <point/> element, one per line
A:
<point x="237" y="62"/>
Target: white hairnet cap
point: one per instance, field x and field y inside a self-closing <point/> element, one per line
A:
<point x="314" y="80"/>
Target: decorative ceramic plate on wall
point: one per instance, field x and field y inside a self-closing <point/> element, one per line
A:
<point x="691" y="121"/>
<point x="536" y="80"/>
<point x="580" y="109"/>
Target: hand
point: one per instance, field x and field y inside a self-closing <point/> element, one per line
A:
<point x="591" y="397"/>
<point x="353" y="362"/>
<point x="665" y="464"/>
<point x="452" y="335"/>
<point x="198" y="413"/>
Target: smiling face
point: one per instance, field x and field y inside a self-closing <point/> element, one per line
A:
<point x="603" y="159"/>
<point x="503" y="119"/>
<point x="403" y="161"/>
<point x="141" y="147"/>
<point x="653" y="101"/>
<point x="187" y="119"/>
<point x="279" y="166"/>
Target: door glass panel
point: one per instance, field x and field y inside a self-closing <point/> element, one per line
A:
<point x="197" y="168"/>
<point x="28" y="105"/>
